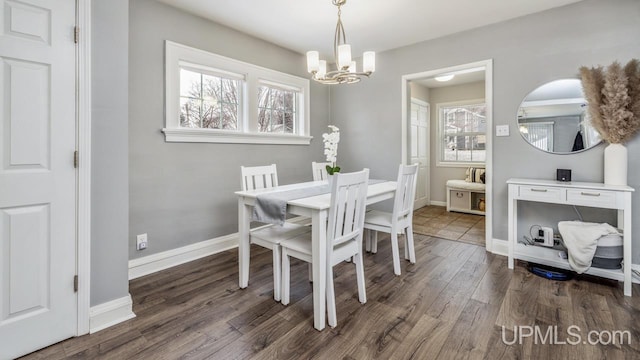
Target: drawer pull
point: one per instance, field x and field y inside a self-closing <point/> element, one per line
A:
<point x="589" y="194"/>
<point x="539" y="190"/>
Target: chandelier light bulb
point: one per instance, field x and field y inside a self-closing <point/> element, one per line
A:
<point x="313" y="61"/>
<point x="344" y="56"/>
<point x="352" y="67"/>
<point x="322" y="69"/>
<point x="369" y="61"/>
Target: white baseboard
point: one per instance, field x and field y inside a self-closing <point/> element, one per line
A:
<point x="110" y="313"/>
<point x="170" y="258"/>
<point x="438" y="203"/>
<point x="500" y="247"/>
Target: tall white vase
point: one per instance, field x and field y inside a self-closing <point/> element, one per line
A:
<point x="615" y="164"/>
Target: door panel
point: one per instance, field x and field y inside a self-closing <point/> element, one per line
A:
<point x="38" y="305"/>
<point x="420" y="149"/>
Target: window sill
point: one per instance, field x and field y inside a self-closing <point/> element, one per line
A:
<point x="227" y="137"/>
<point x="460" y="164"/>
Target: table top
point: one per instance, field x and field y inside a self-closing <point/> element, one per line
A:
<point x="318" y="202"/>
<point x="569" y="184"/>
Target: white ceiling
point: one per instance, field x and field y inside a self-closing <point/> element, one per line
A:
<point x="377" y="25"/>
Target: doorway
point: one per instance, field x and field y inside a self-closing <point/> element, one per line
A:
<point x="452" y="149"/>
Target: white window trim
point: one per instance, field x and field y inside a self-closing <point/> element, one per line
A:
<point x="455" y="164"/>
<point x="178" y="54"/>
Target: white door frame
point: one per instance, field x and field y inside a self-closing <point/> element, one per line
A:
<point x="488" y="66"/>
<point x="83" y="146"/>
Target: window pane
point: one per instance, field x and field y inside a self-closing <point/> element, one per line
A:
<point x="190" y="84"/>
<point x="189" y="113"/>
<point x="229" y="117"/>
<point x="230" y="91"/>
<point x="277" y="121"/>
<point x="289" y="101"/>
<point x="288" y="123"/>
<point x="211" y="115"/>
<point x="264" y="118"/>
<point x="263" y="96"/>
<point x="277" y="99"/>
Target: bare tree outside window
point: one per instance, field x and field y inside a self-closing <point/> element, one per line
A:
<point x="464" y="133"/>
<point x="276" y="110"/>
<point x="208" y="101"/>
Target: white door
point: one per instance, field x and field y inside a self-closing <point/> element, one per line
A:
<point x="38" y="305"/>
<point x="420" y="149"/>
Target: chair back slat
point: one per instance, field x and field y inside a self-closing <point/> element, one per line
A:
<point x="405" y="191"/>
<point x="348" y="203"/>
<point x="259" y="177"/>
<point x="319" y="170"/>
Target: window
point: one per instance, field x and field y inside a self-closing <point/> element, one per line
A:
<point x="463" y="128"/>
<point x="539" y="134"/>
<point x="211" y="98"/>
<point x="276" y="110"/>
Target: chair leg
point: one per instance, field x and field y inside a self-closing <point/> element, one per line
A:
<point x="374" y="242"/>
<point x="362" y="292"/>
<point x="410" y="245"/>
<point x="367" y="240"/>
<point x="331" y="299"/>
<point x="394" y="251"/>
<point x="277" y="276"/>
<point x="285" y="277"/>
<point x="310" y="272"/>
<point x="406" y="247"/>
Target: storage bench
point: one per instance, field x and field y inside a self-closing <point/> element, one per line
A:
<point x="467" y="197"/>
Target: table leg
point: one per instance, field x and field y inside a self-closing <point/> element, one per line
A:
<point x="244" y="216"/>
<point x="319" y="261"/>
<point x="626" y="244"/>
<point x="512" y="225"/>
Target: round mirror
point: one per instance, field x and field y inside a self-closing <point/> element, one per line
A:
<point x="553" y="118"/>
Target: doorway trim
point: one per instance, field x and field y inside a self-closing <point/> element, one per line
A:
<point x="83" y="146"/>
<point x="406" y="102"/>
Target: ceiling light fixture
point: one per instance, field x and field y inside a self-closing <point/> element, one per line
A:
<point x="346" y="72"/>
<point x="443" y="78"/>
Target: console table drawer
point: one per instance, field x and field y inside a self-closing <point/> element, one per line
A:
<point x="597" y="198"/>
<point x="540" y="193"/>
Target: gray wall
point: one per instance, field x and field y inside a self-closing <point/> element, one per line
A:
<point x="109" y="162"/>
<point x="440" y="174"/>
<point x="182" y="193"/>
<point x="419" y="92"/>
<point x="526" y="53"/>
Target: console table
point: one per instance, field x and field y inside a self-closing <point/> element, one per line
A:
<point x="570" y="193"/>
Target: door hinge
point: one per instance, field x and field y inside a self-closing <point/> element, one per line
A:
<point x="75" y="159"/>
<point x="75" y="283"/>
<point x="76" y="34"/>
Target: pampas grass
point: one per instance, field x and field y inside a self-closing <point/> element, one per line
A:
<point x="614" y="100"/>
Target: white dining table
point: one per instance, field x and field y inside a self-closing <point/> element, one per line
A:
<point x="314" y="207"/>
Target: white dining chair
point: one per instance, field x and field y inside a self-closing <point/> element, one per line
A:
<point x="269" y="236"/>
<point x="319" y="170"/>
<point x="397" y="222"/>
<point x="344" y="233"/>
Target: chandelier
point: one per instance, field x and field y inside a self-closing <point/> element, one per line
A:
<point x="346" y="72"/>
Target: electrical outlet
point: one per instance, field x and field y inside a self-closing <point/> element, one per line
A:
<point x="141" y="242"/>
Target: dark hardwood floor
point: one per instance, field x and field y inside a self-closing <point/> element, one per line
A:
<point x="451" y="304"/>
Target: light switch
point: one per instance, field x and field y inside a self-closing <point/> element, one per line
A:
<point x="502" y="130"/>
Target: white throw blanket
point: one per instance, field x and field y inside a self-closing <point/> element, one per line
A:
<point x="581" y="240"/>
